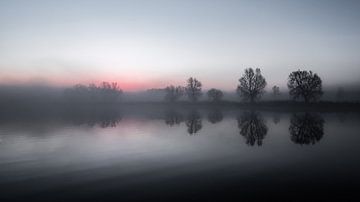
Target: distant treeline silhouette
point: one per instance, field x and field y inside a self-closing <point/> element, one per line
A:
<point x="303" y="85"/>
<point x="103" y="93"/>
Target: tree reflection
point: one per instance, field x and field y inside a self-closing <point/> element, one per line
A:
<point x="193" y="122"/>
<point x="102" y="117"/>
<point x="276" y="118"/>
<point x="306" y="128"/>
<point x="173" y="117"/>
<point x="252" y="127"/>
<point x="109" y="121"/>
<point x="215" y="116"/>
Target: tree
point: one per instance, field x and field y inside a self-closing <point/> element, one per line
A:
<point x="193" y="89"/>
<point x="276" y="91"/>
<point x="173" y="93"/>
<point x="215" y="95"/>
<point x="110" y="92"/>
<point x="252" y="85"/>
<point x="306" y="85"/>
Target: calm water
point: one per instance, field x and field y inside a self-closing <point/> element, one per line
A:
<point x="181" y="155"/>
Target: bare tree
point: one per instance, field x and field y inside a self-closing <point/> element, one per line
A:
<point x="193" y="89"/>
<point x="110" y="92"/>
<point x="252" y="85"/>
<point x="306" y="85"/>
<point x="173" y="93"/>
<point x="275" y="91"/>
<point x="215" y="95"/>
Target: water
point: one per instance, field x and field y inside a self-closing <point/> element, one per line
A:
<point x="180" y="155"/>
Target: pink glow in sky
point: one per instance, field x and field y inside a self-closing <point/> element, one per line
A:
<point x="143" y="44"/>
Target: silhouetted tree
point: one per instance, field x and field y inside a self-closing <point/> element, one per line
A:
<point x="306" y="85"/>
<point x="252" y="85"/>
<point x="252" y="127"/>
<point x="193" y="89"/>
<point x="110" y="92"/>
<point x="215" y="116"/>
<point x="340" y="94"/>
<point x="275" y="91"/>
<point x="173" y="117"/>
<point x="306" y="128"/>
<point x="193" y="122"/>
<point x="173" y="93"/>
<point x="215" y="95"/>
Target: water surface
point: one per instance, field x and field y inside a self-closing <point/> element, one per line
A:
<point x="181" y="155"/>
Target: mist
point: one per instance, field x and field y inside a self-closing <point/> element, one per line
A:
<point x="28" y="94"/>
<point x="181" y="100"/>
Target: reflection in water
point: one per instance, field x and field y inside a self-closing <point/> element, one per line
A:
<point x="103" y="117"/>
<point x="306" y="128"/>
<point x="193" y="122"/>
<point x="215" y="116"/>
<point x="173" y="117"/>
<point x="252" y="127"/>
<point x="142" y="153"/>
<point x="341" y="117"/>
<point x="109" y="123"/>
<point x="276" y="118"/>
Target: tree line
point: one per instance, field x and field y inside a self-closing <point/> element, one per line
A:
<point x="303" y="85"/>
<point x="103" y="93"/>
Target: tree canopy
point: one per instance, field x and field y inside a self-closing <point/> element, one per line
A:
<point x="252" y="85"/>
<point x="173" y="93"/>
<point x="305" y="85"/>
<point x="193" y="89"/>
<point x="215" y="95"/>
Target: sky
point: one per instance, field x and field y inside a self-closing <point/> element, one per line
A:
<point x="152" y="44"/>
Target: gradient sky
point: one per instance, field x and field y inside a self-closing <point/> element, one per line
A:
<point x="146" y="44"/>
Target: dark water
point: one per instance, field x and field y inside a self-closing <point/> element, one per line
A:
<point x="181" y="155"/>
